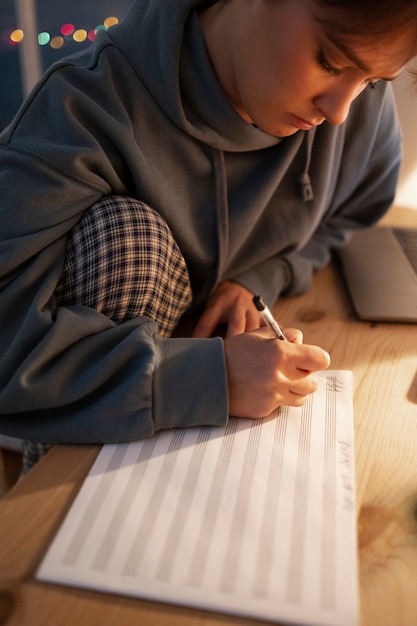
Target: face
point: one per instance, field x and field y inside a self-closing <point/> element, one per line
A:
<point x="282" y="72"/>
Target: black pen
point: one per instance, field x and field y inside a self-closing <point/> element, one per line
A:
<point x="268" y="318"/>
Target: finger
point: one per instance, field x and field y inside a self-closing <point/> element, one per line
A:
<point x="206" y="325"/>
<point x="299" y="393"/>
<point x="235" y="326"/>
<point x="295" y="335"/>
<point x="313" y="359"/>
<point x="304" y="386"/>
<point x="253" y="320"/>
<point x="297" y="401"/>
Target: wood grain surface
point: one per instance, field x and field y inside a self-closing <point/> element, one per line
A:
<point x="383" y="358"/>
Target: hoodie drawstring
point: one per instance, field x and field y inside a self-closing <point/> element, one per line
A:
<point x="222" y="212"/>
<point x="303" y="179"/>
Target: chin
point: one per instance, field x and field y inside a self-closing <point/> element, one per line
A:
<point x="278" y="132"/>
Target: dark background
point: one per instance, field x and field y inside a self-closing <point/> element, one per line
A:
<point x="50" y="15"/>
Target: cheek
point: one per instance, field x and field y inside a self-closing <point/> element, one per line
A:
<point x="296" y="74"/>
<point x="278" y="80"/>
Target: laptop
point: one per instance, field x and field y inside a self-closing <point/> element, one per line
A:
<point x="379" y="265"/>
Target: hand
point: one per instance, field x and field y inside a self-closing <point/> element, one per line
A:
<point x="264" y="372"/>
<point x="230" y="304"/>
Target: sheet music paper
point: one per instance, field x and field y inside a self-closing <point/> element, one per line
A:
<point x="255" y="518"/>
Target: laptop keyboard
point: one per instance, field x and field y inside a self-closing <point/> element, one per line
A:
<point x="407" y="238"/>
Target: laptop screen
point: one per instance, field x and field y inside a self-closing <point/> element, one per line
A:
<point x="380" y="268"/>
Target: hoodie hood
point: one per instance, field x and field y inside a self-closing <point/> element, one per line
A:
<point x="181" y="79"/>
<point x="179" y="76"/>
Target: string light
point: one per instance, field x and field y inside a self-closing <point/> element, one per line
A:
<point x="67" y="30"/>
<point x="16" y="36"/>
<point x="110" y="21"/>
<point x="57" y="42"/>
<point x="68" y="33"/>
<point x="80" y="35"/>
<point x="44" y="39"/>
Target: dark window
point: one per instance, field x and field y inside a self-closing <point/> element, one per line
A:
<point x="51" y="29"/>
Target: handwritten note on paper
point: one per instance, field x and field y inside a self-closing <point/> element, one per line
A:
<point x="256" y="518"/>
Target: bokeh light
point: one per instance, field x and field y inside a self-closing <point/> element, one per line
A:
<point x="80" y="35"/>
<point x="67" y="33"/>
<point x="67" y="30"/>
<point x="44" y="38"/>
<point x="110" y="21"/>
<point x="57" y="42"/>
<point x="16" y="36"/>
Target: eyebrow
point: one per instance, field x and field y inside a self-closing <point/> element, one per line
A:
<point x="349" y="54"/>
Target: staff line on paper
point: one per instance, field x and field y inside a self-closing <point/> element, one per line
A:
<point x="253" y="518"/>
<point x="164" y="568"/>
<point x="202" y="549"/>
<point x="232" y="557"/>
<point x="261" y="582"/>
<point x="93" y="509"/>
<point x="108" y="544"/>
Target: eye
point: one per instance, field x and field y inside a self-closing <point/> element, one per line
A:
<point x="325" y="65"/>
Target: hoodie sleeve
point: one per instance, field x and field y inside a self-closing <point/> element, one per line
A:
<point x="69" y="374"/>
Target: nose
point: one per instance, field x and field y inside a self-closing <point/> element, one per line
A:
<point x="334" y="104"/>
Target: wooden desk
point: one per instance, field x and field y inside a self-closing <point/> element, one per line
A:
<point x="383" y="359"/>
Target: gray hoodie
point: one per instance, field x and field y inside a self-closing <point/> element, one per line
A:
<point x="141" y="114"/>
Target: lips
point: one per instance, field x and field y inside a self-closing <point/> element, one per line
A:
<point x="301" y="124"/>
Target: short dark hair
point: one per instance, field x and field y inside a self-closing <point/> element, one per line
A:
<point x="375" y="18"/>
